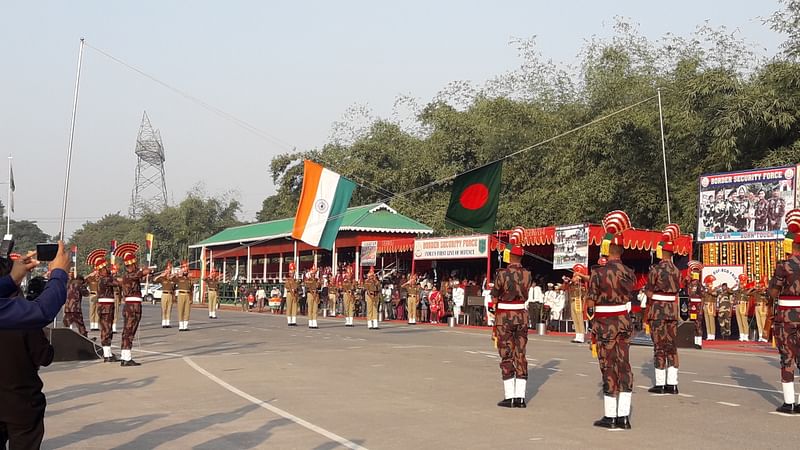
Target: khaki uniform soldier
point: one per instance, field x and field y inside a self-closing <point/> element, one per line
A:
<point x="740" y="297"/>
<point x="509" y="293"/>
<point x="184" y="286"/>
<point x="724" y="310"/>
<point x="292" y="296"/>
<point x="349" y="298"/>
<point x="577" y="291"/>
<point x="167" y="294"/>
<point x="784" y="290"/>
<point x="663" y="283"/>
<point x="105" y="299"/>
<point x="412" y="289"/>
<point x="332" y="295"/>
<point x="312" y="289"/>
<point x="696" y="292"/>
<point x="212" y="283"/>
<point x="372" y="292"/>
<point x="131" y="288"/>
<point x="73" y="313"/>
<point x="610" y="289"/>
<point x="761" y="310"/>
<point x="94" y="317"/>
<point x="710" y="308"/>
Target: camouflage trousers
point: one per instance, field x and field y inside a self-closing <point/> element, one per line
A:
<point x="106" y="312"/>
<point x="132" y="311"/>
<point x="77" y="319"/>
<point x="117" y="302"/>
<point x="511" y="330"/>
<point x="349" y="305"/>
<point x="313" y="306"/>
<point x="724" y="315"/>
<point x="166" y="306"/>
<point x="787" y="339"/>
<point x="411" y="307"/>
<point x="613" y="346"/>
<point x="665" y="352"/>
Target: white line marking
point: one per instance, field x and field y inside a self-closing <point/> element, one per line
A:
<point x="303" y="423"/>
<point x="581" y="375"/>
<point x="554" y="369"/>
<point x="558" y="359"/>
<point x="642" y="387"/>
<point x="737" y="386"/>
<point x="727" y="404"/>
<point x="687" y="395"/>
<point x="782" y="414"/>
<point x="470" y="352"/>
<point x="410" y="346"/>
<point x="159" y="353"/>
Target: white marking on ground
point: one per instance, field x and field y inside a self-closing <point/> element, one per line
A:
<point x="535" y="439"/>
<point x="446" y="362"/>
<point x="727" y="404"/>
<point x="470" y="352"/>
<point x="687" y="395"/>
<point x="749" y="388"/>
<point x="231" y="353"/>
<point x="275" y="410"/>
<point x="353" y="348"/>
<point x="783" y="414"/>
<point x="558" y="359"/>
<point x="554" y="369"/>
<point x="581" y="375"/>
<point x="642" y="387"/>
<point x="158" y="353"/>
<point x="411" y="346"/>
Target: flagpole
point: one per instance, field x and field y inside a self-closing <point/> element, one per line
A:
<point x="8" y="205"/>
<point x="71" y="139"/>
<point x="663" y="152"/>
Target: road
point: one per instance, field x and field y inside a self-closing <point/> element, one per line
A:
<point x="249" y="381"/>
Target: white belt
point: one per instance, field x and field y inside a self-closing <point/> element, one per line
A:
<point x="133" y="299"/>
<point x="695" y="299"/>
<point x="610" y="308"/>
<point x="664" y="298"/>
<point x="105" y="300"/>
<point x="789" y="303"/>
<point x="511" y="306"/>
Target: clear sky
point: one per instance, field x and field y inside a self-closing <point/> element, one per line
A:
<point x="289" y="68"/>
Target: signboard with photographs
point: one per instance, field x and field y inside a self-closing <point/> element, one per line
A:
<point x="570" y="246"/>
<point x="369" y="253"/>
<point x="745" y="206"/>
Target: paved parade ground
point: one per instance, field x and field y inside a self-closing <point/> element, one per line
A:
<point x="249" y="381"/>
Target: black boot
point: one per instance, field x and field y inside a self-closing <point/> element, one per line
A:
<point x="507" y="403"/>
<point x="606" y="422"/>
<point x="671" y="389"/>
<point x="129" y="363"/>
<point x="788" y="408"/>
<point x="624" y="422"/>
<point x="657" y="390"/>
<point x="520" y="403"/>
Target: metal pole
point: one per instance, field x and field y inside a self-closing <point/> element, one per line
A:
<point x="664" y="153"/>
<point x="71" y="139"/>
<point x="296" y="261"/>
<point x="8" y="205"/>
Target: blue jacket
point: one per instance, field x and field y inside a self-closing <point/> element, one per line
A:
<point x="20" y="313"/>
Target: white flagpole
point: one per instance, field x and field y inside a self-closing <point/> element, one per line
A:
<point x="71" y="138"/>
<point x="664" y="153"/>
<point x="8" y="206"/>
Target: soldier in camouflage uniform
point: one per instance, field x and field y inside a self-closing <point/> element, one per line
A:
<point x="312" y="288"/>
<point x="740" y="299"/>
<point x="372" y="292"/>
<point x="696" y="291"/>
<point x="94" y="317"/>
<point x="509" y="293"/>
<point x="663" y="283"/>
<point x="105" y="299"/>
<point x="611" y="287"/>
<point x="724" y="309"/>
<point x="292" y="292"/>
<point x="412" y="290"/>
<point x="131" y="287"/>
<point x="784" y="290"/>
<point x="349" y="298"/>
<point x="167" y="294"/>
<point x="73" y="314"/>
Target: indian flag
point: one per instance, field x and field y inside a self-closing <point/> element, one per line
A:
<point x="323" y="201"/>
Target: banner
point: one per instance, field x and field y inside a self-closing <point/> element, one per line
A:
<point x="745" y="206"/>
<point x="464" y="247"/>
<point x="369" y="253"/>
<point x="571" y="246"/>
<point x="724" y="275"/>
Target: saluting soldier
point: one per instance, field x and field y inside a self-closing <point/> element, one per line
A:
<point x="741" y="297"/>
<point x="576" y="289"/>
<point x="105" y="299"/>
<point x="784" y="289"/>
<point x="167" y="281"/>
<point x="184" y="286"/>
<point x="131" y="287"/>
<point x="372" y="292"/>
<point x="663" y="283"/>
<point x="710" y="307"/>
<point x="696" y="292"/>
<point x="94" y="317"/>
<point x="509" y="293"/>
<point x="348" y="286"/>
<point x="73" y="314"/>
<point x="292" y="291"/>
<point x="412" y="289"/>
<point x="212" y="283"/>
<point x="611" y="286"/>
<point x="312" y="288"/>
<point x="761" y="310"/>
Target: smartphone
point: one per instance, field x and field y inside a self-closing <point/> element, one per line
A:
<point x="46" y="251"/>
<point x="6" y="247"/>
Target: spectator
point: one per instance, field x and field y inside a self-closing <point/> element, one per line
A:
<point x="261" y="296"/>
<point x="535" y="304"/>
<point x="458" y="298"/>
<point x="437" y="305"/>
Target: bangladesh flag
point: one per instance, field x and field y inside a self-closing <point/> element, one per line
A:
<point x="473" y="202"/>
